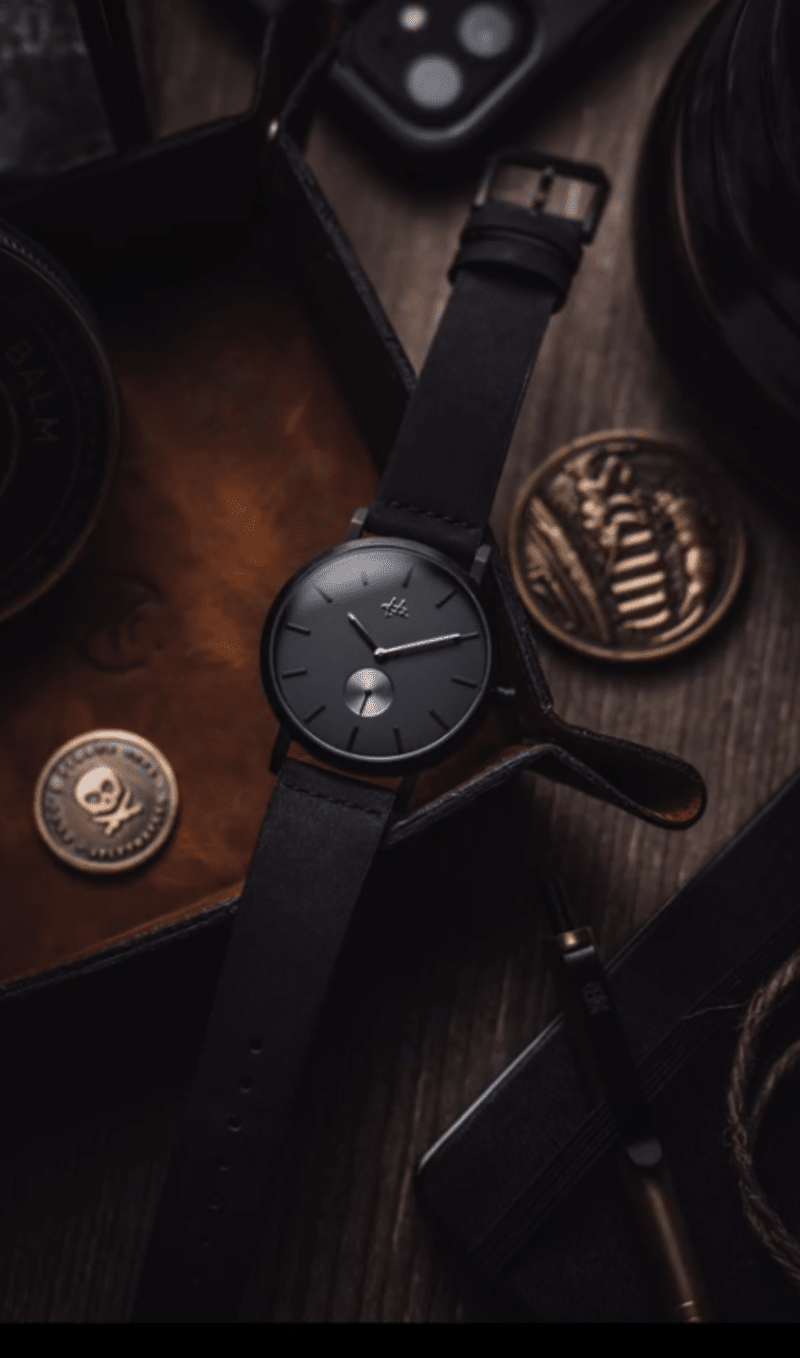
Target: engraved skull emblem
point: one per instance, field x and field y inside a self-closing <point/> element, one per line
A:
<point x="103" y="796"/>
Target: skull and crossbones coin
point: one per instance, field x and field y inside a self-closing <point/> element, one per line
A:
<point x="106" y="801"/>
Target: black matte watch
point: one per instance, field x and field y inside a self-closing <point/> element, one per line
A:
<point x="378" y="660"/>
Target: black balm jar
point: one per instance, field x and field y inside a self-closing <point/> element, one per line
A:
<point x="718" y="231"/>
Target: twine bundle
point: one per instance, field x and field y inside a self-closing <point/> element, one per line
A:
<point x="747" y="1103"/>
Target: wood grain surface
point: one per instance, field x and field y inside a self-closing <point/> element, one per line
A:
<point x="406" y="1050"/>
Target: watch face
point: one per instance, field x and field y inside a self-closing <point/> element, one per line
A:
<point x="377" y="655"/>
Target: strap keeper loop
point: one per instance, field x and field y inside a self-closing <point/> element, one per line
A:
<point x="502" y="235"/>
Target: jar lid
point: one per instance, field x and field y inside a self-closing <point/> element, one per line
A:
<point x="59" y="422"/>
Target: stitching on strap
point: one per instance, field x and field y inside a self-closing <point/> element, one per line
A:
<point x="431" y="513"/>
<point x="334" y="801"/>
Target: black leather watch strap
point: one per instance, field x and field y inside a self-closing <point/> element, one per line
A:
<point x="513" y="269"/>
<point x="322" y="830"/>
<point x="319" y="837"/>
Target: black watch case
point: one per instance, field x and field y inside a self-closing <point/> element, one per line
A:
<point x="377" y="656"/>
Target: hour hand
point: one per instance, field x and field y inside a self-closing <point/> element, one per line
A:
<point x="362" y="632"/>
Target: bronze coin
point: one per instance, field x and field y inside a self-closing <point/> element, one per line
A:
<point x="625" y="547"/>
<point x="106" y="801"/>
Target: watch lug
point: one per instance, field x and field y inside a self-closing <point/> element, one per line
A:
<point x="357" y="522"/>
<point x="279" y="750"/>
<point x="479" y="563"/>
<point x="504" y="695"/>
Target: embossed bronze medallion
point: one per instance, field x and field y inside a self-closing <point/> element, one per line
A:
<point x="625" y="547"/>
<point x="106" y="801"/>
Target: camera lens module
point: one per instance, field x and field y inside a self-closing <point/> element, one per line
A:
<point x="486" y="31"/>
<point x="434" y="82"/>
<point x="432" y="73"/>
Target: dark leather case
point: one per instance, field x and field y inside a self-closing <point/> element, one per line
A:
<point x="262" y="387"/>
<point x="524" y="1185"/>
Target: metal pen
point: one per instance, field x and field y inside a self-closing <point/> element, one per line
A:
<point x="590" y="1012"/>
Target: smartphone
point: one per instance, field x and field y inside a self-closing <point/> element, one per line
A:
<point x="434" y="76"/>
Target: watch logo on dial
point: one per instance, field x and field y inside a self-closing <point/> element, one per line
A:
<point x="395" y="608"/>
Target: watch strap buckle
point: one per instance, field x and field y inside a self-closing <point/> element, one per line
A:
<point x="552" y="168"/>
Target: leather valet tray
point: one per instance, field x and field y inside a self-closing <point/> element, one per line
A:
<point x="525" y="1187"/>
<point x="261" y="389"/>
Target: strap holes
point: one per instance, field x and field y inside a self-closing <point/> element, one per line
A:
<point x="223" y="1166"/>
<point x="214" y="1204"/>
<point x="245" y="1085"/>
<point x="235" y="1124"/>
<point x="256" y="1045"/>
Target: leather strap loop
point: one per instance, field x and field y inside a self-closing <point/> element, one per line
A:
<point x="506" y="236"/>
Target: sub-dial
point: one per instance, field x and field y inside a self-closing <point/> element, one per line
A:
<point x="368" y="693"/>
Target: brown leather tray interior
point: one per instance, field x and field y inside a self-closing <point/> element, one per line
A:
<point x="240" y="462"/>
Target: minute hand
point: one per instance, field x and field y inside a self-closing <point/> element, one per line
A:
<point x="381" y="652"/>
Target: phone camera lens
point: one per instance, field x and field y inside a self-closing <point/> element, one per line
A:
<point x="433" y="82"/>
<point x="485" y="31"/>
<point x="413" y="18"/>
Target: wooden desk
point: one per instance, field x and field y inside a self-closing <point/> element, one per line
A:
<point x="440" y="1021"/>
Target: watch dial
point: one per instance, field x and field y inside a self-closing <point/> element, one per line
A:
<point x="378" y="654"/>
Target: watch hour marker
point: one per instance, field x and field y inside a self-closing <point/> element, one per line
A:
<point x="325" y="596"/>
<point x="397" y="740"/>
<point x="408" y="576"/>
<point x="315" y="713"/>
<point x="446" y="598"/>
<point x="364" y="578"/>
<point x="295" y="627"/>
<point x="444" y="725"/>
<point x="292" y="674"/>
<point x="351" y="739"/>
<point x="459" y="679"/>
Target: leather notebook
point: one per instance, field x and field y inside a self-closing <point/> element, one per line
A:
<point x="524" y="1187"/>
